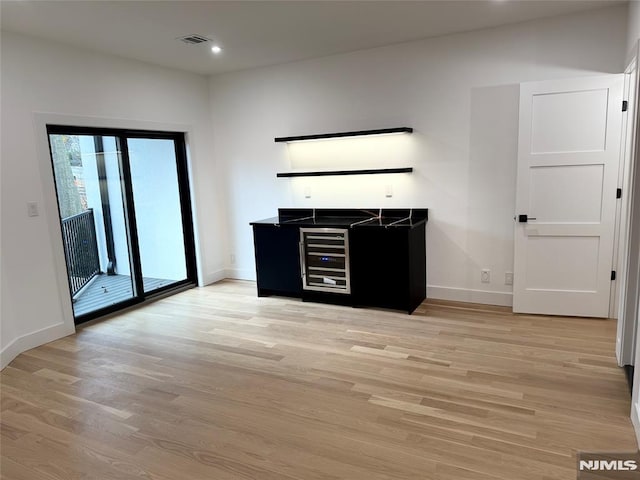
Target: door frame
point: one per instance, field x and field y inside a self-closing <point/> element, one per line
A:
<point x="632" y="288"/>
<point x="622" y="306"/>
<point x="49" y="206"/>
<point x="121" y="136"/>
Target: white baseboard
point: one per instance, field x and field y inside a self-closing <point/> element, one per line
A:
<point x="486" y="297"/>
<point x="32" y="340"/>
<point x="635" y="420"/>
<point x="213" y="277"/>
<point x="433" y="291"/>
<point x="619" y="352"/>
<point x="240" y="274"/>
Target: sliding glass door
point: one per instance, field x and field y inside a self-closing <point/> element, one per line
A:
<point x="156" y="197"/>
<point x="125" y="215"/>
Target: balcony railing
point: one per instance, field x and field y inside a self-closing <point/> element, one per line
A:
<point x="80" y="249"/>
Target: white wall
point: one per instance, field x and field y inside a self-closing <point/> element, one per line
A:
<point x="633" y="28"/>
<point x="41" y="76"/>
<point x="459" y="93"/>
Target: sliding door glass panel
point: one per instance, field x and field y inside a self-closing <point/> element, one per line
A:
<point x="158" y="211"/>
<point x="88" y="172"/>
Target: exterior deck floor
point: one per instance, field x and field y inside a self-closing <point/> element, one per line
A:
<point x="106" y="290"/>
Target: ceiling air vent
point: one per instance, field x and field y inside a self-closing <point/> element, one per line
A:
<point x="194" y="39"/>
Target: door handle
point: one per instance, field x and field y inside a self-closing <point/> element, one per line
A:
<point x="523" y="218"/>
<point x="303" y="268"/>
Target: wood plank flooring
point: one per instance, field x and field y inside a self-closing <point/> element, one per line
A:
<point x="215" y="383"/>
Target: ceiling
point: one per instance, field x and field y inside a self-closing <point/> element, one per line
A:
<point x="259" y="33"/>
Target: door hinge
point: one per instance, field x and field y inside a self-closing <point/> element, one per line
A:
<point x="618" y="193"/>
<point x="613" y="275"/>
<point x="625" y="105"/>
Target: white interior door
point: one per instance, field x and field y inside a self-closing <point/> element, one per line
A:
<point x="568" y="158"/>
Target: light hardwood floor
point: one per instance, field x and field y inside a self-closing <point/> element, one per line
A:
<point x="215" y="383"/>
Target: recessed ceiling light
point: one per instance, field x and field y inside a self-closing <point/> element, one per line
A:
<point x="216" y="49"/>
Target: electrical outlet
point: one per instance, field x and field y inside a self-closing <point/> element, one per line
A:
<point x="32" y="209"/>
<point x="508" y="278"/>
<point x="485" y="275"/>
<point x="232" y="258"/>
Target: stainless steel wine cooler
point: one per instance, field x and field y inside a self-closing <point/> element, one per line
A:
<point x="324" y="259"/>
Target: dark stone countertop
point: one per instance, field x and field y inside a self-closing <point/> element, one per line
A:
<point x="348" y="218"/>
